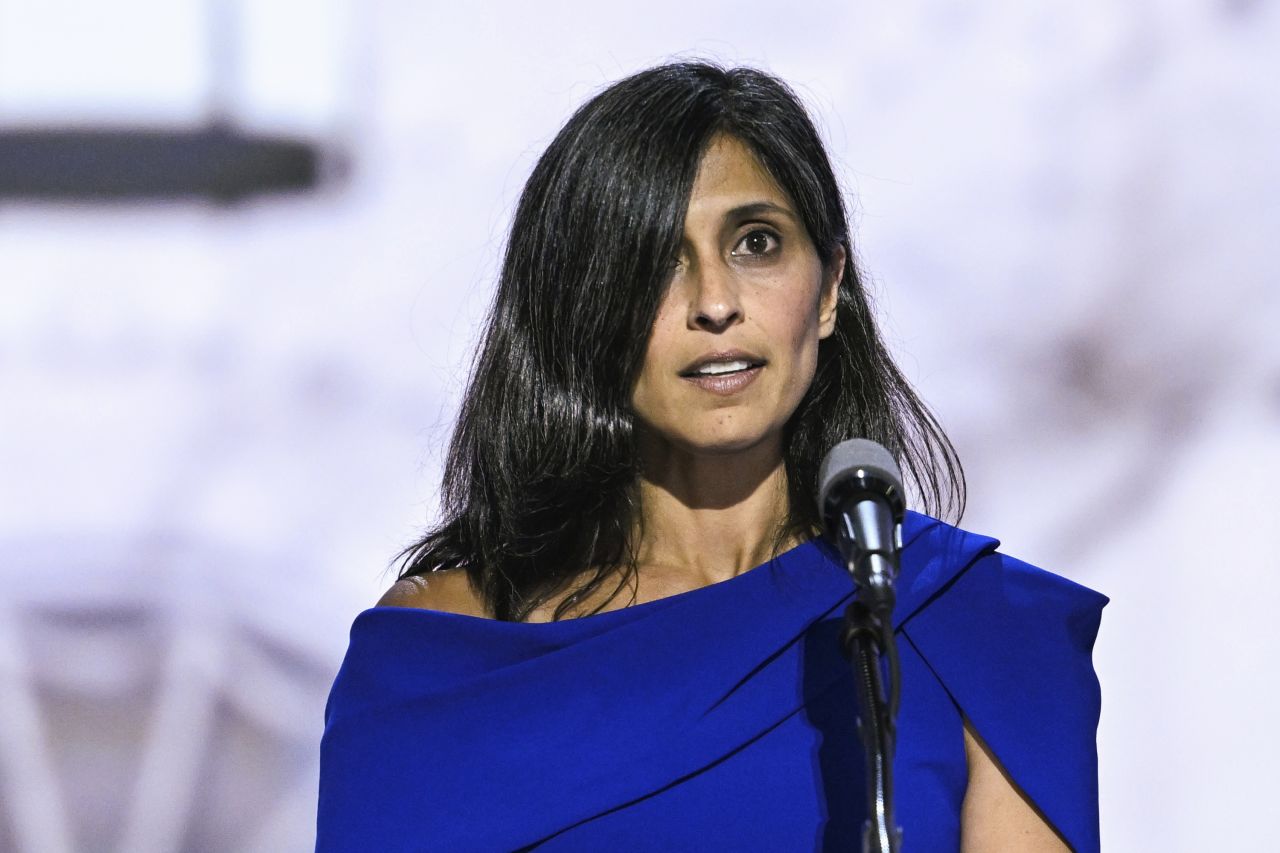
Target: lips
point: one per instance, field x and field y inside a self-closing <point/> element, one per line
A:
<point x="724" y="373"/>
<point x="722" y="363"/>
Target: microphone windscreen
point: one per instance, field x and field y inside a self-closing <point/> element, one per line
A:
<point x="849" y="456"/>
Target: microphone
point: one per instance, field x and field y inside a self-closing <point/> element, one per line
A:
<point x="861" y="502"/>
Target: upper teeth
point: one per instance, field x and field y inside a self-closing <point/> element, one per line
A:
<point x="723" y="367"/>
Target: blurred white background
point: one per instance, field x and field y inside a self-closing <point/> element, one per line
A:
<point x="219" y="422"/>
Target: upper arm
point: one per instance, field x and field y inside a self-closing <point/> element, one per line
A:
<point x="995" y="815"/>
<point x="448" y="591"/>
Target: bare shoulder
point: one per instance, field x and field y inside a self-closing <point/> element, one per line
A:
<point x="448" y="591"/>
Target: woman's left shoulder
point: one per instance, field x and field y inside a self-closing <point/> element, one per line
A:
<point x="1012" y="645"/>
<point x="947" y="570"/>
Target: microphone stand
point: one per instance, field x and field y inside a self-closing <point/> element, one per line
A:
<point x="868" y="631"/>
<point x="865" y="635"/>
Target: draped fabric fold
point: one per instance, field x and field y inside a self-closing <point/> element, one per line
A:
<point x="723" y="715"/>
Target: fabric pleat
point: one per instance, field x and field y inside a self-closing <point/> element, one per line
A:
<point x="723" y="716"/>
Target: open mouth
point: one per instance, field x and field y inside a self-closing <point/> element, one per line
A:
<point x="725" y="378"/>
<point x="722" y="368"/>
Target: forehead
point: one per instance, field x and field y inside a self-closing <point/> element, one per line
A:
<point x="729" y="174"/>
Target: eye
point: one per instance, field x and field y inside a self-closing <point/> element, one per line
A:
<point x="756" y="243"/>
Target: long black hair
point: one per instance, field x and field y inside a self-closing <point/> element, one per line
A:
<point x="539" y="481"/>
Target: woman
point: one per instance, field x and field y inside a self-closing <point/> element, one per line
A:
<point x="623" y="632"/>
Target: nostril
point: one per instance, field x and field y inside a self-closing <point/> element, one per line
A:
<point x="716" y="321"/>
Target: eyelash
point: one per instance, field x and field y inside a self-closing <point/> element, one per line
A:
<point x="768" y="232"/>
<point x="753" y="232"/>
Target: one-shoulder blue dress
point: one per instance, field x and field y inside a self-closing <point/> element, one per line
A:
<point x="717" y="719"/>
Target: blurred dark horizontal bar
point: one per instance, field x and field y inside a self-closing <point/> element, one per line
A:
<point x="216" y="162"/>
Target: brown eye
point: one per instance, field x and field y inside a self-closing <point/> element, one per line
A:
<point x="757" y="243"/>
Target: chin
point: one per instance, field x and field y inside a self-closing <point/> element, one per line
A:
<point x="723" y="444"/>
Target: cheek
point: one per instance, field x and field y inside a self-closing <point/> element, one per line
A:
<point x="654" y="365"/>
<point x="797" y="317"/>
<point x="797" y="334"/>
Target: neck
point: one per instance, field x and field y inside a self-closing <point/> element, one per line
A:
<point x="706" y="518"/>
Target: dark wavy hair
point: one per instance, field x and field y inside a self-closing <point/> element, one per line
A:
<point x="539" y="482"/>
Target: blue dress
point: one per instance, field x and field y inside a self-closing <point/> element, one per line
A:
<point x="717" y="719"/>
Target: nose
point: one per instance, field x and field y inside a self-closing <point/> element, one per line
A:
<point x="714" y="299"/>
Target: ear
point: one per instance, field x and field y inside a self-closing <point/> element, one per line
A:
<point x="832" y="275"/>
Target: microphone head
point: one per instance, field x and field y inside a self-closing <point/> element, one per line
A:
<point x="865" y="463"/>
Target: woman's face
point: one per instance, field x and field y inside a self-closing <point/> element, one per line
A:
<point x="735" y="342"/>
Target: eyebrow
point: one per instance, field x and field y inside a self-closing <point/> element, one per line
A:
<point x="756" y="208"/>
